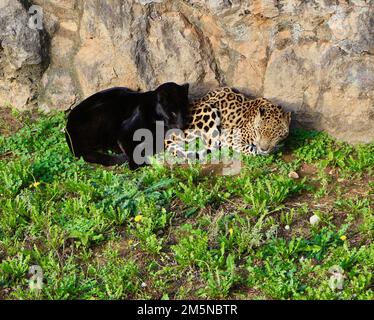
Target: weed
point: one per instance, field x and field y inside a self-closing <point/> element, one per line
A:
<point x="156" y="233"/>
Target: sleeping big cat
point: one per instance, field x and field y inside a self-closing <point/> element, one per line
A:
<point x="101" y="128"/>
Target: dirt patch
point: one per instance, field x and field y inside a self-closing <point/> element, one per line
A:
<point x="358" y="187"/>
<point x="9" y="123"/>
<point x="209" y="170"/>
<point x="11" y="120"/>
<point x="244" y="293"/>
<point x="288" y="157"/>
<point x="355" y="188"/>
<point x="307" y="170"/>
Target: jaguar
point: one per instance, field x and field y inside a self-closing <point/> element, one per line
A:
<point x="226" y="118"/>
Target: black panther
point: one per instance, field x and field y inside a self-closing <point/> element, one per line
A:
<point x="100" y="129"/>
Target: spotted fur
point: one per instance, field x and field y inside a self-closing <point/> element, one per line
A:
<point x="226" y="118"/>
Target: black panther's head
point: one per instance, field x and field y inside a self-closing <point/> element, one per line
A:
<point x="172" y="105"/>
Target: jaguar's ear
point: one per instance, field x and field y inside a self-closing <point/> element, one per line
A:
<point x="261" y="112"/>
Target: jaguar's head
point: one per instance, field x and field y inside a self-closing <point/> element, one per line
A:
<point x="271" y="126"/>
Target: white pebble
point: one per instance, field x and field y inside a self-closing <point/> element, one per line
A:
<point x="287" y="227"/>
<point x="314" y="220"/>
<point x="293" y="175"/>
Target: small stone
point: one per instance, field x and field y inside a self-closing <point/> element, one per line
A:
<point x="314" y="220"/>
<point x="293" y="175"/>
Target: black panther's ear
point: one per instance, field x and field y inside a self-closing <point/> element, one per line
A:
<point x="186" y="86"/>
<point x="160" y="109"/>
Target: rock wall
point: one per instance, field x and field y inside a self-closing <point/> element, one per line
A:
<point x="314" y="57"/>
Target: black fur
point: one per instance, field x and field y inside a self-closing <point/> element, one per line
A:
<point x="107" y="121"/>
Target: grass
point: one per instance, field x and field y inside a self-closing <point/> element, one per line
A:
<point x="158" y="233"/>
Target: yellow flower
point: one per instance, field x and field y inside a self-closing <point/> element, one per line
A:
<point x="231" y="231"/>
<point x="343" y="238"/>
<point x="35" y="185"/>
<point x="131" y="242"/>
<point x="138" y="218"/>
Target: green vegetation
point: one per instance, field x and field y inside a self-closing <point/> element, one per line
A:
<point x="158" y="233"/>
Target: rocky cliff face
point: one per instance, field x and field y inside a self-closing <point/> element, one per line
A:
<point x="314" y="57"/>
